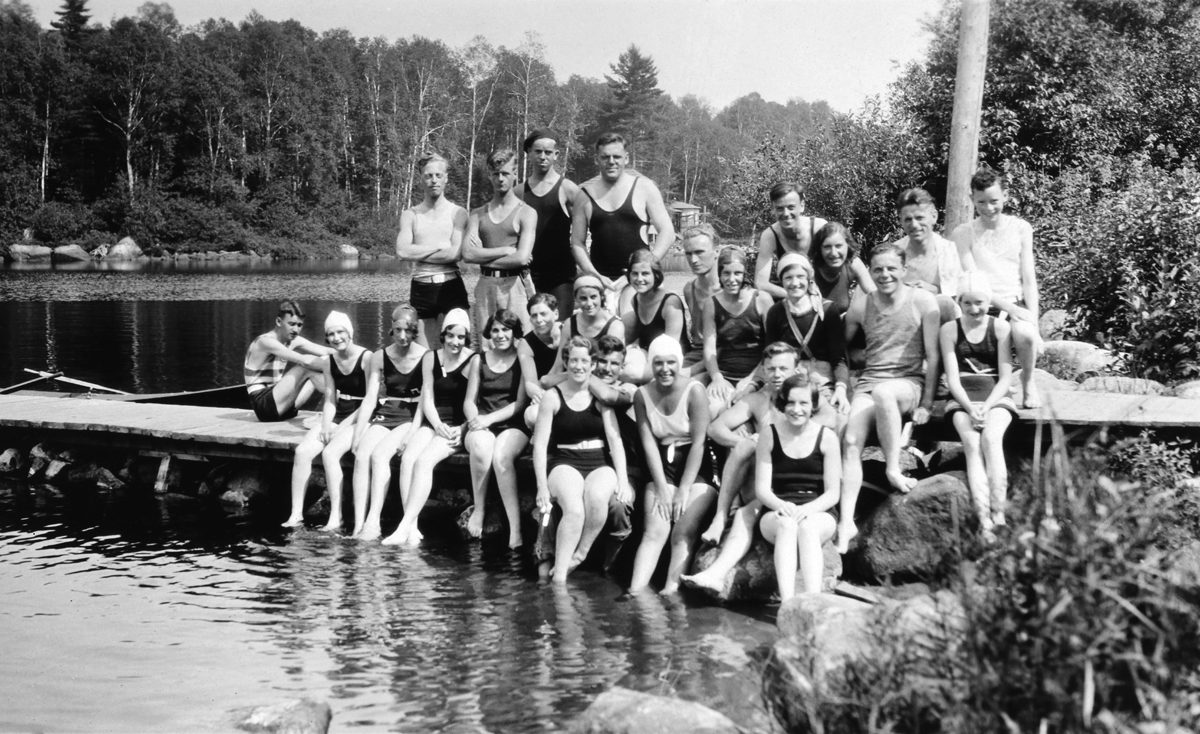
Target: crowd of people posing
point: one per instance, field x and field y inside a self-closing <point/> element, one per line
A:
<point x="738" y="406"/>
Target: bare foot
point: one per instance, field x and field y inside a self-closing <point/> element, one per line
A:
<point x="707" y="583"/>
<point x="293" y="522"/>
<point x="902" y="483"/>
<point x="414" y="538"/>
<point x="333" y="526"/>
<point x="846" y="532"/>
<point x="670" y="590"/>
<point x="370" y="531"/>
<point x="475" y="523"/>
<point x="400" y="537"/>
<point x="515" y="540"/>
<point x="1032" y="398"/>
<point x="712" y="536"/>
<point x="578" y="557"/>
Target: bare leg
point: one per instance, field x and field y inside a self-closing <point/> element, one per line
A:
<point x="360" y="480"/>
<point x="509" y="446"/>
<point x="597" y="488"/>
<point x="891" y="403"/>
<point x="1026" y="339"/>
<point x="381" y="477"/>
<point x="422" y="484"/>
<point x="295" y="387"/>
<point x="480" y="446"/>
<point x="782" y="532"/>
<point x="976" y="474"/>
<point x="308" y="450"/>
<point x="812" y="533"/>
<point x="654" y="537"/>
<point x="331" y="459"/>
<point x="994" y="428"/>
<point x="858" y="430"/>
<point x="685" y="532"/>
<point x="566" y="488"/>
<point x="431" y="331"/>
<point x="715" y="579"/>
<point x="738" y="466"/>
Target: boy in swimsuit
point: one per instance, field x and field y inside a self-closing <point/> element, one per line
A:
<point x="901" y="324"/>
<point x="700" y="249"/>
<point x="500" y="239"/>
<point x="792" y="232"/>
<point x="551" y="195"/>
<point x="617" y="208"/>
<point x="282" y="368"/>
<point x="1001" y="247"/>
<point x="430" y="237"/>
<point x="932" y="260"/>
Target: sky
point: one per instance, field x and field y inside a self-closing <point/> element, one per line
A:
<point x="840" y="51"/>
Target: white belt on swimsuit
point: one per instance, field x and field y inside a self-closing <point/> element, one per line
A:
<point x="436" y="277"/>
<point x="593" y="443"/>
<point x="386" y="400"/>
<point x="671" y="449"/>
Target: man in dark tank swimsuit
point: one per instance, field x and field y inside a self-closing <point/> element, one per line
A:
<point x="552" y="196"/>
<point x="616" y="207"/>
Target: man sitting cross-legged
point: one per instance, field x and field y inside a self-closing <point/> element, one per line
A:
<point x="900" y="323"/>
<point x="735" y="428"/>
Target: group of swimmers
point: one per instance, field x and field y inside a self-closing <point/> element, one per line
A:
<point x="743" y="403"/>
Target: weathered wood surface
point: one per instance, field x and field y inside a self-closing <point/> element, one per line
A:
<point x="1108" y="409"/>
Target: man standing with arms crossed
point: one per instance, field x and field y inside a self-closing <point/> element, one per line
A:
<point x="552" y="196"/>
<point x="431" y="235"/>
<point x="617" y="207"/>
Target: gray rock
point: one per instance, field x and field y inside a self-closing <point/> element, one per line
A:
<point x="126" y="249"/>
<point x="238" y="485"/>
<point x="1071" y="360"/>
<point x="913" y="534"/>
<point x="622" y="711"/>
<point x="828" y="642"/>
<point x="56" y="471"/>
<point x="301" y="716"/>
<point x="1053" y="323"/>
<point x="21" y="252"/>
<point x="1187" y="389"/>
<point x="1122" y="385"/>
<point x="12" y="461"/>
<point x="753" y="579"/>
<point x="91" y="474"/>
<point x="37" y="465"/>
<point x="70" y="253"/>
<point x="347" y="250"/>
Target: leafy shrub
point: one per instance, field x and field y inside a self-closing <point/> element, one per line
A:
<point x="58" y="223"/>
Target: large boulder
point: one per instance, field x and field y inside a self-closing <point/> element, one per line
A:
<point x="12" y="461"/>
<point x="1053" y="323"/>
<point x="1187" y="389"/>
<point x="90" y="474"/>
<point x="830" y="645"/>
<point x="753" y="579"/>
<point x="622" y="711"/>
<point x="1122" y="385"/>
<point x="23" y="252"/>
<point x="302" y="716"/>
<point x="1072" y="360"/>
<point x="347" y="251"/>
<point x="913" y="534"/>
<point x="126" y="249"/>
<point x="70" y="253"/>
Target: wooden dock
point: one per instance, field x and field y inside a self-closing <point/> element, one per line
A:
<point x="236" y="434"/>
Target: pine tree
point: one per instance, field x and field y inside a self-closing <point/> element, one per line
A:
<point x="72" y="21"/>
<point x="636" y="100"/>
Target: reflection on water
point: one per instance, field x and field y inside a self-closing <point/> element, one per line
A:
<point x="160" y="614"/>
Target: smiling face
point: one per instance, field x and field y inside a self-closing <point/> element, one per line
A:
<point x="989" y="203"/>
<point x="787" y="210"/>
<point x="835" y="250"/>
<point x="700" y="254"/>
<point x="608" y="366"/>
<point x="733" y="277"/>
<point x="611" y="159"/>
<point x="579" y="364"/>
<point x="542" y="318"/>
<point x="665" y="369"/>
<point x="433" y="178"/>
<point x="589" y="301"/>
<point x="501" y="337"/>
<point x="798" y="407"/>
<point x="974" y="305"/>
<point x="917" y="221"/>
<point x="778" y="368"/>
<point x="888" y="271"/>
<point x="795" y="283"/>
<point x="454" y="339"/>
<point x="543" y="153"/>
<point x="641" y="277"/>
<point x="338" y="338"/>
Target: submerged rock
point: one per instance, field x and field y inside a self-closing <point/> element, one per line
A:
<point x="1072" y="360"/>
<point x="913" y="534"/>
<point x="301" y="716"/>
<point x="237" y="485"/>
<point x="753" y="579"/>
<point x="12" y="461"/>
<point x="92" y="474"/>
<point x="622" y="711"/>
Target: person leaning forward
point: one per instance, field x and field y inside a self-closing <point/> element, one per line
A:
<point x="282" y="368"/>
<point x="616" y="207"/>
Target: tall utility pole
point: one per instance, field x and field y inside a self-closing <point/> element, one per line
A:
<point x="968" y="105"/>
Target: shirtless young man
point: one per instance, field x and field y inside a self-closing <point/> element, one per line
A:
<point x="282" y="368"/>
<point x="617" y="207"/>
<point x="700" y="251"/>
<point x="791" y="232"/>
<point x="500" y="239"/>
<point x="933" y="260"/>
<point x="900" y="323"/>
<point x="551" y="195"/>
<point x="430" y="237"/>
<point x="736" y="429"/>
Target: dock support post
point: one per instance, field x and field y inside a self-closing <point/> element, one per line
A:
<point x="164" y="470"/>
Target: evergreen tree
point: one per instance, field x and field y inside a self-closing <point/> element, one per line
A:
<point x="635" y="102"/>
<point x="72" y="21"/>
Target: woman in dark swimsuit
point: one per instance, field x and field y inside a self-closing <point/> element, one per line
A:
<point x="396" y="372"/>
<point x="578" y="460"/>
<point x="798" y="481"/>
<point x="495" y="424"/>
<point x="839" y="271"/>
<point x="345" y="386"/>
<point x="443" y="389"/>
<point x="732" y="324"/>
<point x="654" y="312"/>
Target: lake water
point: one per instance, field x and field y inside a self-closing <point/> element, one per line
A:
<point x="128" y="612"/>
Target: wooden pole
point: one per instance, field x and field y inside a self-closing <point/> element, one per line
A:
<point x="968" y="104"/>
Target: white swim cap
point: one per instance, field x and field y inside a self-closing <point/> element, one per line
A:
<point x="339" y="320"/>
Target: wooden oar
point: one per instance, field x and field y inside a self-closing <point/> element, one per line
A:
<point x="27" y="383"/>
<point x="72" y="381"/>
